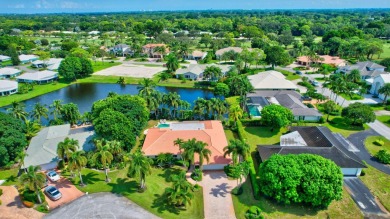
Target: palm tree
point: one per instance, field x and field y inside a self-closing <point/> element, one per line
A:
<point x="385" y="90"/>
<point x="17" y="110"/>
<point x="20" y="158"/>
<point x="180" y="194"/>
<point x="188" y="148"/>
<point x="67" y="147"/>
<point x="146" y="87"/>
<point x="39" y="111"/>
<point x="115" y="149"/>
<point x="103" y="155"/>
<point x="235" y="149"/>
<point x="354" y="76"/>
<point x="172" y="99"/>
<point x="200" y="107"/>
<point x="235" y="113"/>
<point x="32" y="128"/>
<point x="203" y="152"/>
<point x="329" y="107"/>
<point x="140" y="166"/>
<point x="33" y="180"/>
<point x="57" y="107"/>
<point x="172" y="63"/>
<point x="77" y="161"/>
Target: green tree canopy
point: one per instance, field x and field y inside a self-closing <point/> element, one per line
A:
<point x="277" y="56"/>
<point x="276" y="116"/>
<point x="221" y="89"/>
<point x="303" y="178"/>
<point x="70" y="113"/>
<point x="70" y="68"/>
<point x="358" y="114"/>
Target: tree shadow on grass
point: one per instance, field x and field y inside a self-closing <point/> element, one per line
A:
<point x="11" y="178"/>
<point x="161" y="203"/>
<point x="262" y="131"/>
<point x="169" y="172"/>
<point x="124" y="186"/>
<point x="90" y="178"/>
<point x="341" y="123"/>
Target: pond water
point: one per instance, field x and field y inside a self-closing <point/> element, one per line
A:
<point x="85" y="94"/>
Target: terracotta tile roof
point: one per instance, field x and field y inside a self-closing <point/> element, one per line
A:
<point x="324" y="59"/>
<point x="153" y="45"/>
<point x="160" y="140"/>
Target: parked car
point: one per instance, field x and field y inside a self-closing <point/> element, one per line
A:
<point x="53" y="176"/>
<point x="53" y="193"/>
<point x="315" y="83"/>
<point x="298" y="72"/>
<point x="306" y="98"/>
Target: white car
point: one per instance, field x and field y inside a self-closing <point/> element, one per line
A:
<point x="53" y="176"/>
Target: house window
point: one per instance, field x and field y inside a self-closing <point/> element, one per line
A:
<point x="187" y="76"/>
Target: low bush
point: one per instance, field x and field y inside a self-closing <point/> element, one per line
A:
<point x="197" y="175"/>
<point x="31" y="196"/>
<point x="196" y="188"/>
<point x="379" y="142"/>
<point x="253" y="212"/>
<point x="383" y="156"/>
<point x="43" y="208"/>
<point x="28" y="204"/>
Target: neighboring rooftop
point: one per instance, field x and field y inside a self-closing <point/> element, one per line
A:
<point x="38" y="76"/>
<point x="161" y="140"/>
<point x="27" y="57"/>
<point x="9" y="71"/>
<point x="271" y="80"/>
<point x="6" y="85"/>
<point x="367" y="68"/>
<point x="324" y="59"/>
<point x="199" y="68"/>
<point x="43" y="147"/>
<point x="4" y="58"/>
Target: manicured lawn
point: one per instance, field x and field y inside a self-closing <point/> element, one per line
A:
<point x="373" y="148"/>
<point x="99" y="65"/>
<point x="10" y="176"/>
<point x="230" y="135"/>
<point x="354" y="97"/>
<point x="262" y="135"/>
<point x="379" y="184"/>
<point x="344" y="208"/>
<point x="108" y="79"/>
<point x="38" y="90"/>
<point x="153" y="199"/>
<point x="289" y="75"/>
<point x="384" y="119"/>
<point x="6" y="63"/>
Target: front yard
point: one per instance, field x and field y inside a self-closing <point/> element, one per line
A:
<point x="384" y="119"/>
<point x="373" y="148"/>
<point x="152" y="199"/>
<point x="379" y="184"/>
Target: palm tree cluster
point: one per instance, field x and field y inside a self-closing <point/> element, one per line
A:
<point x="171" y="105"/>
<point x="165" y="159"/>
<point x="189" y="148"/>
<point x="34" y="180"/>
<point x="180" y="194"/>
<point x="140" y="166"/>
<point x="235" y="149"/>
<point x="344" y="83"/>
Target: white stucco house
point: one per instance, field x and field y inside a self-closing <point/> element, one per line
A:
<point x="8" y="87"/>
<point x="195" y="71"/>
<point x="378" y="82"/>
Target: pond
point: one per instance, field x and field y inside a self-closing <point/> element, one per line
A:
<point x="85" y="94"/>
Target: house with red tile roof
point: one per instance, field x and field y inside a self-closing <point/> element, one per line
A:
<point x="323" y="59"/>
<point x="150" y="50"/>
<point x="161" y="140"/>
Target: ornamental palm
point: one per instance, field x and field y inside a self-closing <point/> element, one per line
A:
<point x="189" y="150"/>
<point x="33" y="180"/>
<point x="354" y="76"/>
<point x="140" y="166"/>
<point x="57" y="107"/>
<point x="203" y="152"/>
<point x="173" y="101"/>
<point x="77" y="161"/>
<point x="235" y="113"/>
<point x="146" y="87"/>
<point x="385" y="90"/>
<point x="235" y="149"/>
<point x="32" y="128"/>
<point x="39" y="111"/>
<point x="103" y="155"/>
<point x="115" y="149"/>
<point x="17" y="110"/>
<point x="20" y="158"/>
<point x="67" y="147"/>
<point x="200" y="107"/>
<point x="180" y="194"/>
<point x="172" y="63"/>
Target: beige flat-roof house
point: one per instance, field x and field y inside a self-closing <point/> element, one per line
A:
<point x="323" y="59"/>
<point x="271" y="80"/>
<point x="8" y="87"/>
<point x="161" y="140"/>
<point x="149" y="50"/>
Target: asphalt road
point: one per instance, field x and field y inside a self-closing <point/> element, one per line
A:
<point x="381" y="128"/>
<point x="362" y="196"/>
<point x="358" y="139"/>
<point x="101" y="205"/>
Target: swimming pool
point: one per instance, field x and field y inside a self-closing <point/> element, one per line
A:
<point x="163" y="126"/>
<point x="254" y="111"/>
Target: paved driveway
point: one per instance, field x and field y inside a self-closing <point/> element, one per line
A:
<point x="68" y="190"/>
<point x="218" y="203"/>
<point x="12" y="207"/>
<point x="101" y="205"/>
<point x="362" y="196"/>
<point x="358" y="139"/>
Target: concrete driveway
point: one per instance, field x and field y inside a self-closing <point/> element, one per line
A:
<point x="12" y="207"/>
<point x="131" y="70"/>
<point x="362" y="196"/>
<point x="68" y="190"/>
<point x="101" y="205"/>
<point x="218" y="203"/>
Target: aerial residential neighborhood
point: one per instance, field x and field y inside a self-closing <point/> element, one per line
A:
<point x="194" y="109"/>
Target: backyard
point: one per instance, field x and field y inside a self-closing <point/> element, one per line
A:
<point x="153" y="199"/>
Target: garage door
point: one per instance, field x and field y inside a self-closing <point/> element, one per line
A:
<point x="49" y="166"/>
<point x="349" y="171"/>
<point x="213" y="167"/>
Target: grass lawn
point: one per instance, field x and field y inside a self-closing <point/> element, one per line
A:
<point x="230" y="135"/>
<point x="373" y="148"/>
<point x="6" y="63"/>
<point x="354" y="97"/>
<point x="379" y="184"/>
<point x="99" y="65"/>
<point x="384" y="119"/>
<point x="10" y="176"/>
<point x="289" y="75"/>
<point x="153" y="199"/>
<point x="344" y="208"/>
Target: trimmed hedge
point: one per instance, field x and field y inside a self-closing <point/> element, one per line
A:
<point x="251" y="122"/>
<point x="252" y="170"/>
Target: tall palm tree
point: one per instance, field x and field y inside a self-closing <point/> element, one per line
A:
<point x="103" y="155"/>
<point x="235" y="113"/>
<point x="172" y="99"/>
<point x="172" y="63"/>
<point x="116" y="149"/>
<point x="20" y="158"/>
<point x="354" y="76"/>
<point x="140" y="166"/>
<point x="67" y="147"/>
<point x="180" y="194"/>
<point x="39" y="111"/>
<point x="17" y="110"/>
<point x="32" y="128"/>
<point x="188" y="148"/>
<point x="56" y="107"/>
<point x="235" y="149"/>
<point x="385" y="90"/>
<point x="77" y="161"/>
<point x="200" y="107"/>
<point x="33" y="180"/>
<point x="146" y="87"/>
<point x="203" y="152"/>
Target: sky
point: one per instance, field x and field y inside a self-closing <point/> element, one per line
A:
<point x="75" y="6"/>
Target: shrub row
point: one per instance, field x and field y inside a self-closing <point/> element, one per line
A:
<point x="251" y="122"/>
<point x="252" y="170"/>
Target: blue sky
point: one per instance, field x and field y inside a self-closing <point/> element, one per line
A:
<point x="55" y="6"/>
